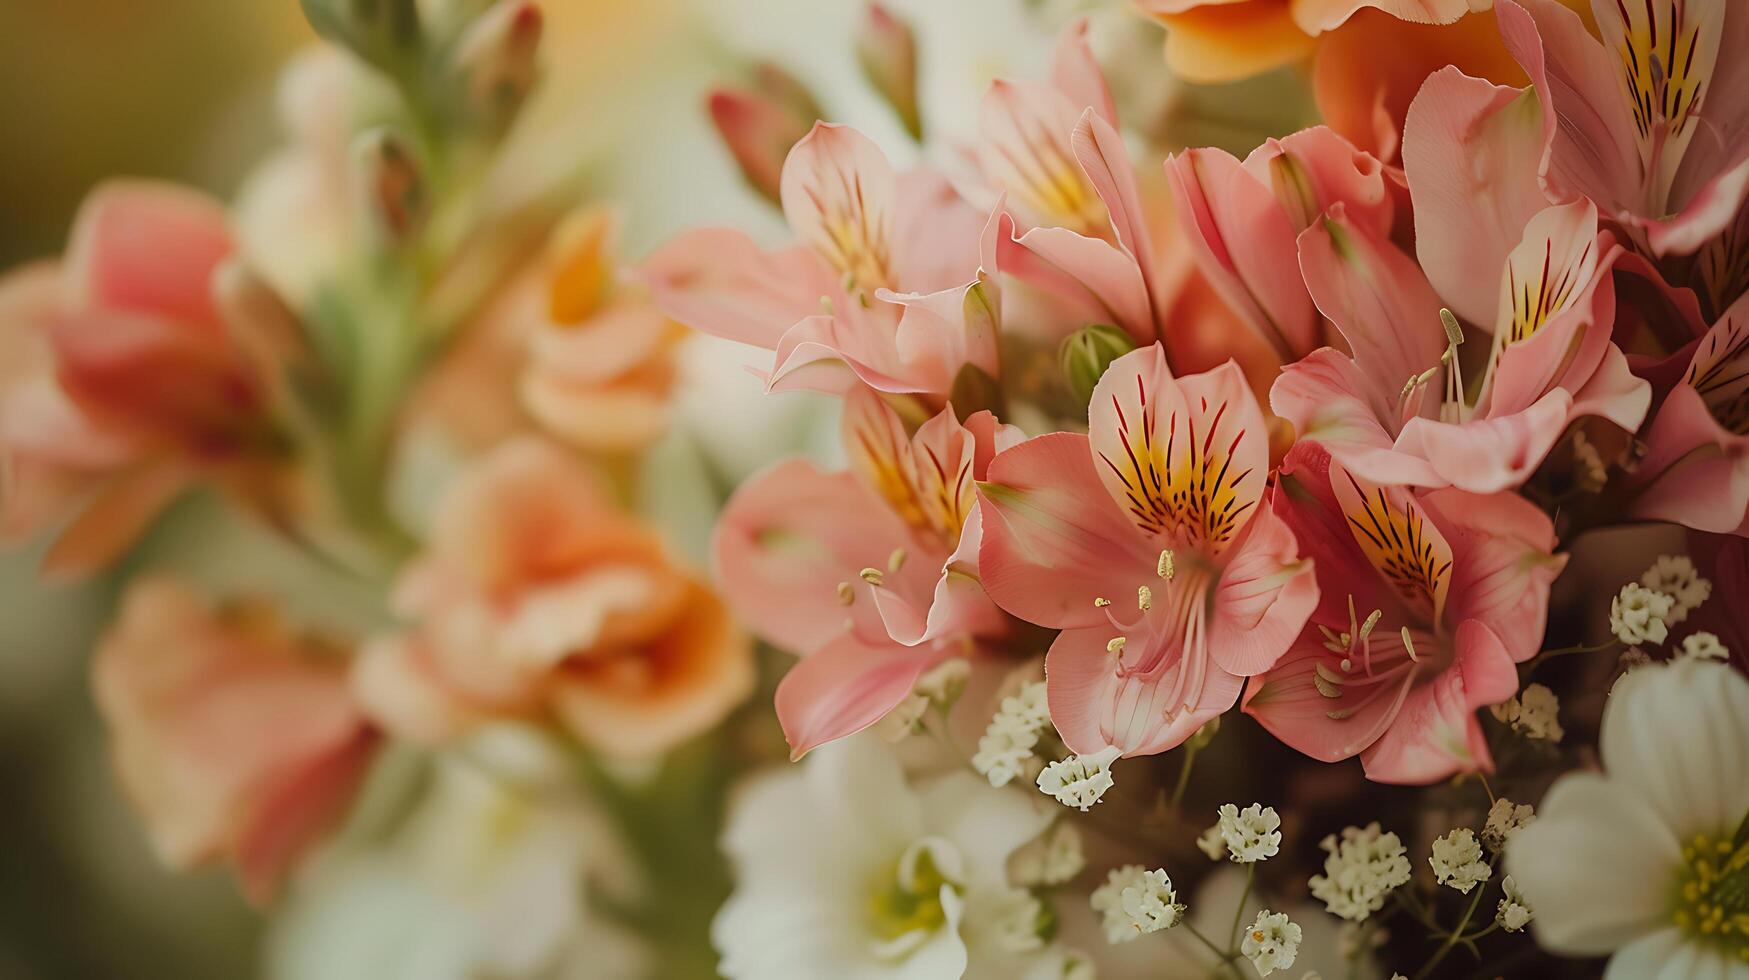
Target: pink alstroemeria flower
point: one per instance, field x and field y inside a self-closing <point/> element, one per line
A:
<point x="1398" y="410"/>
<point x="1649" y="120"/>
<point x="870" y="575"/>
<point x="1150" y="544"/>
<point x="1696" y="468"/>
<point x="1244" y="222"/>
<point x="131" y="371"/>
<point x="1427" y="602"/>
<point x="889" y="286"/>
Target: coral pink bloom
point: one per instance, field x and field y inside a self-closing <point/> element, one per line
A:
<point x="233" y="736"/>
<point x="1427" y="601"/>
<point x="1226" y="40"/>
<point x="1398" y="411"/>
<point x="1147" y="543"/>
<point x="1696" y="468"/>
<point x="536" y="597"/>
<point x="1244" y="222"/>
<point x="127" y="374"/>
<point x="888" y="286"/>
<point x="1651" y="122"/>
<point x="1066" y="184"/>
<point x="871" y="575"/>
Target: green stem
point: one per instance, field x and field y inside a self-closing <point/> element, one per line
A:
<point x="1184" y="775"/>
<point x="1451" y="938"/>
<point x="1239" y="912"/>
<point x="1533" y="663"/>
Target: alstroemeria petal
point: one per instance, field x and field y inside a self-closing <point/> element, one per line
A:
<point x="1264" y="596"/>
<point x="1471" y="151"/>
<point x="1435" y="734"/>
<point x="1093" y="706"/>
<point x="1331" y="402"/>
<point x="1492" y="454"/>
<point x="1503" y="563"/>
<point x="838" y="194"/>
<point x="149" y="247"/>
<point x="1376" y="295"/>
<point x="718" y="281"/>
<point x="844" y="687"/>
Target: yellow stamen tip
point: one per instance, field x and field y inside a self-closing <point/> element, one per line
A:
<point x="1144" y="598"/>
<point x="846" y="594"/>
<point x="872" y="576"/>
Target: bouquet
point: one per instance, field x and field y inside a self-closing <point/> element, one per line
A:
<point x="1278" y="510"/>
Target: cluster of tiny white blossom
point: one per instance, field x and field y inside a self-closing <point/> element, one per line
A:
<point x="1020" y="921"/>
<point x="1135" y="901"/>
<point x="1702" y="645"/>
<point x="1251" y="834"/>
<point x="1006" y="747"/>
<point x="1051" y="858"/>
<point x="1637" y="614"/>
<point x="1513" y="912"/>
<point x="1271" y="943"/>
<point x="1533" y="713"/>
<point x="1458" y="862"/>
<point x="1080" y="780"/>
<point x="941" y="685"/>
<point x="1360" y="869"/>
<point x="1505" y="818"/>
<point x="1676" y="577"/>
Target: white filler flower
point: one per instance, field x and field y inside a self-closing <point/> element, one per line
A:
<point x="1252" y="834"/>
<point x="1080" y="780"/>
<point x="1457" y="860"/>
<point x="1638" y="614"/>
<point x="1271" y="943"/>
<point x="1360" y="871"/>
<point x="1135" y="901"/>
<point x="1676" y="577"/>
<point x="845" y="870"/>
<point x="1646" y="860"/>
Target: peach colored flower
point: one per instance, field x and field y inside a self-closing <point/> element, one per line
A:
<point x="564" y="346"/>
<point x="536" y="597"/>
<point x="234" y="736"/>
<point x="130" y="373"/>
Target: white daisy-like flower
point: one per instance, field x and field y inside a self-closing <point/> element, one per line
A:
<point x="1513" y="912"/>
<point x="1458" y="862"/>
<point x="1271" y="943"/>
<point x="1641" y="860"/>
<point x="1080" y="780"/>
<point x="1505" y="818"/>
<point x="1702" y="645"/>
<point x="1251" y="834"/>
<point x="1533" y="713"/>
<point x="1359" y="871"/>
<point x="1676" y="577"/>
<point x="1638" y="614"/>
<point x="1005" y="750"/>
<point x="1135" y="901"/>
<point x="844" y="867"/>
<point x="1212" y="843"/>
<point x="1051" y="858"/>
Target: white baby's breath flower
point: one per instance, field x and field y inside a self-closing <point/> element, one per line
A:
<point x="1632" y="658"/>
<point x="1457" y="860"/>
<point x="1591" y="473"/>
<point x="1704" y="646"/>
<point x="904" y="720"/>
<point x="1135" y="901"/>
<point x="1513" y="913"/>
<point x="1534" y="713"/>
<point x="1005" y="750"/>
<point x="1051" y="858"/>
<point x="1080" y="780"/>
<point x="944" y="682"/>
<point x="1271" y="943"/>
<point x="1251" y="834"/>
<point x="1676" y="577"/>
<point x="1505" y="819"/>
<point x="1637" y="614"/>
<point x="1212" y="843"/>
<point x="1019" y="921"/>
<point x="1359" y="871"/>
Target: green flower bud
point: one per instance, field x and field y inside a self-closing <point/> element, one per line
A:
<point x="1088" y="352"/>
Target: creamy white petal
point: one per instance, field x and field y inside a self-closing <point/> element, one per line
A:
<point x="1680" y="737"/>
<point x="1597" y="865"/>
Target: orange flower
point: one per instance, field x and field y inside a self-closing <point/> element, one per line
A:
<point x="537" y="597"/>
<point x="234" y="737"/>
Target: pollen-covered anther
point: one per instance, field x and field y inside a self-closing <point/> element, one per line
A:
<point x="1165" y="568"/>
<point x="1144" y="598"/>
<point x="1115" y="644"/>
<point x="1409" y="645"/>
<point x="1100" y="602"/>
<point x="872" y="576"/>
<point x="846" y="593"/>
<point x="896" y="560"/>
